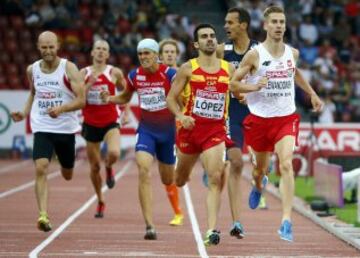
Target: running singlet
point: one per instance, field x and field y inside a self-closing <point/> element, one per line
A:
<point x="152" y="89"/>
<point x="96" y="112"/>
<point x="208" y="98"/>
<point x="237" y="110"/>
<point x="52" y="90"/>
<point x="278" y="97"/>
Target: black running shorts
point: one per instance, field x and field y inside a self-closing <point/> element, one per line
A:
<point x="63" y="144"/>
<point x="96" y="134"/>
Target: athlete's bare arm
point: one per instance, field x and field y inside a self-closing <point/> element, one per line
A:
<point x="121" y="82"/>
<point x="248" y="65"/>
<point x="305" y="86"/>
<point x="122" y="98"/>
<point x="77" y="86"/>
<point x="20" y="115"/>
<point x="90" y="80"/>
<point x="118" y="75"/>
<point x="182" y="77"/>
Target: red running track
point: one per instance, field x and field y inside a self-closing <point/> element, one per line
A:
<point x="76" y="233"/>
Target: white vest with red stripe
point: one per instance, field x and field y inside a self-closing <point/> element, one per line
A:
<point x="278" y="97"/>
<point x="51" y="91"/>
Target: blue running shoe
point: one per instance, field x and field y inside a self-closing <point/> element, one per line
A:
<point x="255" y="194"/>
<point x="285" y="231"/>
<point x="237" y="230"/>
<point x="205" y="179"/>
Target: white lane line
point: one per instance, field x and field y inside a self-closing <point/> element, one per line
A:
<point x="32" y="183"/>
<point x="34" y="253"/>
<point x="10" y="167"/>
<point x="194" y="223"/>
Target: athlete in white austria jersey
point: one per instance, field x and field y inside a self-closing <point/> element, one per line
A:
<point x="56" y="92"/>
<point x="273" y="125"/>
<point x="52" y="90"/>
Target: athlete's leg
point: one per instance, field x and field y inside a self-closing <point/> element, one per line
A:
<point x="41" y="192"/>
<point x="234" y="190"/>
<point x="144" y="161"/>
<point x="167" y="174"/>
<point x="42" y="152"/>
<point x="112" y="139"/>
<point x="262" y="161"/>
<point x="41" y="186"/>
<point x="284" y="149"/>
<point x="184" y="166"/>
<point x="213" y="162"/>
<point x="93" y="153"/>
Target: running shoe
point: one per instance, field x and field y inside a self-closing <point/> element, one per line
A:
<point x="177" y="220"/>
<point x="237" y="230"/>
<point x="43" y="222"/>
<point x="285" y="231"/>
<point x="150" y="233"/>
<point x="205" y="179"/>
<point x="110" y="179"/>
<point x="255" y="194"/>
<point x="262" y="204"/>
<point x="212" y="237"/>
<point x="100" y="208"/>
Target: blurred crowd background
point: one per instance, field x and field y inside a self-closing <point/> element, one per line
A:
<point x="327" y="33"/>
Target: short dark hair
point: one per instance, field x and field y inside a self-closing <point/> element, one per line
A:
<point x="244" y="15"/>
<point x="202" y="26"/>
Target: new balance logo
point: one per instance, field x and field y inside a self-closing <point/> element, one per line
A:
<point x="266" y="63"/>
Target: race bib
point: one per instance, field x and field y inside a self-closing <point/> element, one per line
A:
<point x="46" y="100"/>
<point x="93" y="94"/>
<point x="209" y="104"/>
<point x="152" y="99"/>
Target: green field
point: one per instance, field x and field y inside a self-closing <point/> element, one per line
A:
<point x="304" y="188"/>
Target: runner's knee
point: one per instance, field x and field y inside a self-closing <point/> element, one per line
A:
<point x="286" y="167"/>
<point x="180" y="180"/>
<point x="41" y="168"/>
<point x="144" y="175"/>
<point x="113" y="155"/>
<point x="215" y="178"/>
<point x="237" y="165"/>
<point x="95" y="167"/>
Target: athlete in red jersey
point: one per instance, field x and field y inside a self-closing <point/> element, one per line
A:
<point x="100" y="119"/>
<point x="203" y="131"/>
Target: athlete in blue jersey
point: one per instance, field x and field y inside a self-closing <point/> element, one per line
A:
<point x="156" y="131"/>
<point x="237" y="22"/>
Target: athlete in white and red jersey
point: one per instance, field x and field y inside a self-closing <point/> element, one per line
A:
<point x="203" y="120"/>
<point x="156" y="131"/>
<point x="101" y="119"/>
<point x="273" y="124"/>
<point x="96" y="112"/>
<point x="56" y="93"/>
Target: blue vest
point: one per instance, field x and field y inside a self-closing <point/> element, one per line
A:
<point x="237" y="111"/>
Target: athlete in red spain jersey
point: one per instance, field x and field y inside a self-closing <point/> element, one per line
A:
<point x="202" y="130"/>
<point x="101" y="119"/>
<point x="207" y="103"/>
